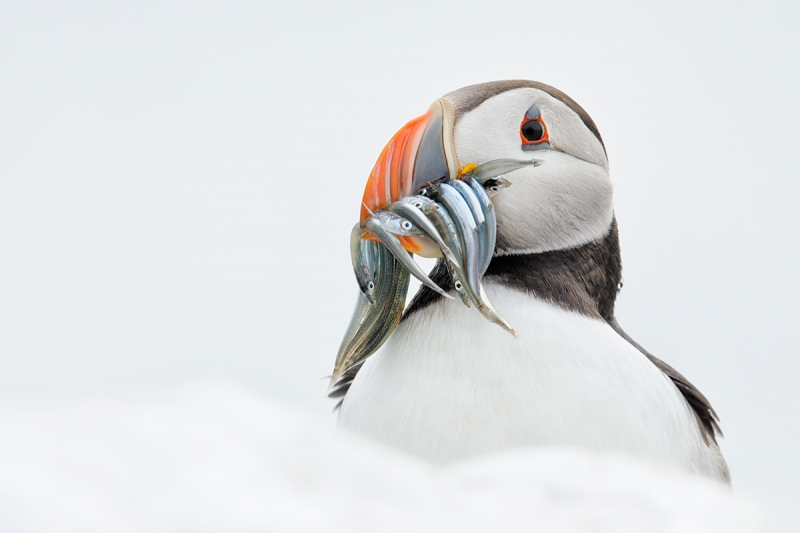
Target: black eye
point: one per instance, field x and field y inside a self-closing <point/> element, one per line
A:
<point x="532" y="131"/>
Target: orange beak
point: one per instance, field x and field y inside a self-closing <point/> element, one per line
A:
<point x="422" y="152"/>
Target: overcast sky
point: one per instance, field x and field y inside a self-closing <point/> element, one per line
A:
<point x="178" y="181"/>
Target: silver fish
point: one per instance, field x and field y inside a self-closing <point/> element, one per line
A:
<point x="389" y="317"/>
<point x="397" y="224"/>
<point x="476" y="205"/>
<point x="401" y="226"/>
<point x="385" y="273"/>
<point x="473" y="256"/>
<point x="471" y="199"/>
<point x="446" y="227"/>
<point x="467" y="229"/>
<point x="498" y="167"/>
<point x="379" y="225"/>
<point x="361" y="256"/>
<point x="464" y="231"/>
<point x="347" y="349"/>
<point x="372" y="323"/>
<point x="490" y="234"/>
<point x="417" y="217"/>
<point x="491" y="313"/>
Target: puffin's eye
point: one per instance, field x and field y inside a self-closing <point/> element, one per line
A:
<point x="406" y="225"/>
<point x="533" y="131"/>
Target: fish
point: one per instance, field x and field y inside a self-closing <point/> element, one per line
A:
<point x="474" y="256"/>
<point x="381" y="224"/>
<point x="389" y="316"/>
<point x="478" y="208"/>
<point x="491" y="313"/>
<point x="490" y="233"/>
<point x="466" y="229"/>
<point x="416" y="216"/>
<point x="397" y="224"/>
<point x="361" y="257"/>
<point x="498" y="167"/>
<point x="373" y="323"/>
<point x="472" y="200"/>
<point x="446" y="227"/>
<point x="347" y="352"/>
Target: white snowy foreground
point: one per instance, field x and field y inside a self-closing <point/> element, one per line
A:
<point x="215" y="457"/>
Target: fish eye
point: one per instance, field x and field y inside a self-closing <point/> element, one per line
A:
<point x="458" y="285"/>
<point x="406" y="225"/>
<point x="494" y="188"/>
<point x="370" y="286"/>
<point x="418" y="204"/>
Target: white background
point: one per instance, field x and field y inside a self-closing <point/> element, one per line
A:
<point x="178" y="181"/>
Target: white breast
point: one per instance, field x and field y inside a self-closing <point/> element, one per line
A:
<point x="449" y="385"/>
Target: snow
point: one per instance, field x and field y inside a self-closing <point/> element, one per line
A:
<point x="214" y="457"/>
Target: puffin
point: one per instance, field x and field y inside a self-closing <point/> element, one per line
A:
<point x="448" y="385"/>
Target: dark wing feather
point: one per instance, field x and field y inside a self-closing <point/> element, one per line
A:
<point x="342" y="385"/>
<point x="697" y="401"/>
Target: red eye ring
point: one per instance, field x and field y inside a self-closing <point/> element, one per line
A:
<point x="533" y="131"/>
<point x="533" y="127"/>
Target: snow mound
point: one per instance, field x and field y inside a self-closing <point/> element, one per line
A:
<point x="213" y="457"/>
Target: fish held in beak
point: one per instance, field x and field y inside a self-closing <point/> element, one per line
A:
<point x="418" y="200"/>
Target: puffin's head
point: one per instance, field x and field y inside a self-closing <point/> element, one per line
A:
<point x="563" y="202"/>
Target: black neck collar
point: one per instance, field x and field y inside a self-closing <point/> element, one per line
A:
<point x="584" y="279"/>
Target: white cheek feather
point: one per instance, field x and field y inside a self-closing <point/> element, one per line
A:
<point x="561" y="204"/>
<point x="565" y="202"/>
<point x="449" y="385"/>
